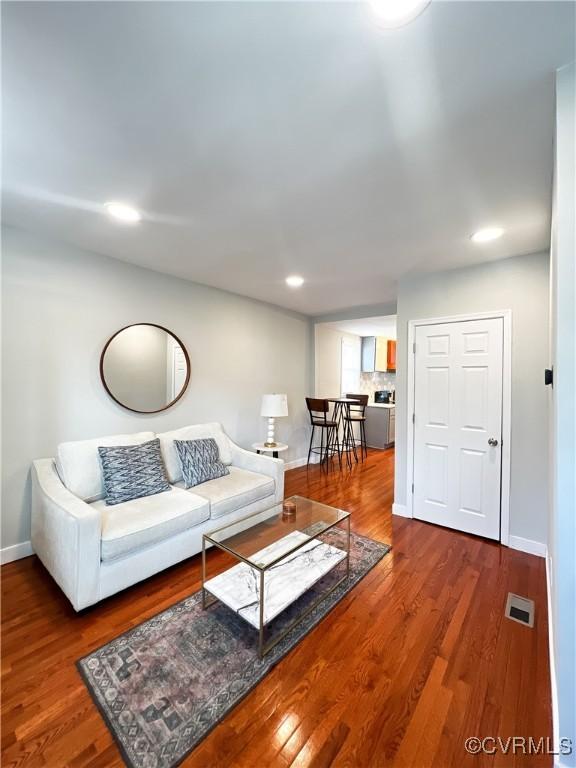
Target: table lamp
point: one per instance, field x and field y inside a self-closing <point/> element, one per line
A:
<point x="273" y="407"/>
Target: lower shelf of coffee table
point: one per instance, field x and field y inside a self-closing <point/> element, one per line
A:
<point x="284" y="583"/>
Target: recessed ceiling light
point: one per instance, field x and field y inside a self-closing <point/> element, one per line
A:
<point x="123" y="212"/>
<point x="295" y="281"/>
<point x="391" y="14"/>
<point x="487" y="234"/>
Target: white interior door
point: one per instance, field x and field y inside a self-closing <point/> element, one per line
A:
<point x="458" y="425"/>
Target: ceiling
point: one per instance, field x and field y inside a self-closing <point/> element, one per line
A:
<point x="368" y="326"/>
<point x="262" y="139"/>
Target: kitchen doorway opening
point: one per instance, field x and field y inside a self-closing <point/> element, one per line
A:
<point x="358" y="357"/>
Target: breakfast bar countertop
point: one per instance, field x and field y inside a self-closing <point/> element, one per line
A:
<point x="381" y="405"/>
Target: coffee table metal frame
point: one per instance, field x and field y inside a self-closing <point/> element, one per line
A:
<point x="266" y="647"/>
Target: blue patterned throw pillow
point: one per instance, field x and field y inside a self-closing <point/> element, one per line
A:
<point x="200" y="460"/>
<point x="132" y="471"/>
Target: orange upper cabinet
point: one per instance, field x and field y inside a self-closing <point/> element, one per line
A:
<point x="378" y="354"/>
<point x="391" y="355"/>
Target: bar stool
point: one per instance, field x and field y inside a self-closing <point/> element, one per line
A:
<point x="356" y="414"/>
<point x="319" y="411"/>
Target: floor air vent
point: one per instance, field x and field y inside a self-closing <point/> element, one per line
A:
<point x="520" y="609"/>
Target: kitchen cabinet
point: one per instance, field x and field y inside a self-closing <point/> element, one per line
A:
<point x="391" y="355"/>
<point x="368" y="354"/>
<point x="378" y="354"/>
<point x="380" y="425"/>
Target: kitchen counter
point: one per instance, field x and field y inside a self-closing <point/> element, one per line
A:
<point x="381" y="405"/>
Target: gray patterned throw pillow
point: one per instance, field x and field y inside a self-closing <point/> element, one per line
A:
<point x="132" y="471"/>
<point x="200" y="460"/>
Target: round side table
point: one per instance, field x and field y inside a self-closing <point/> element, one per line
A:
<point x="278" y="448"/>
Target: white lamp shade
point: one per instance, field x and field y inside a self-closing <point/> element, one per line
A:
<point x="274" y="406"/>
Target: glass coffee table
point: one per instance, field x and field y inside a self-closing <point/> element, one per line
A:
<point x="280" y="558"/>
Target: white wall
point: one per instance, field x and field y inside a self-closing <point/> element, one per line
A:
<point x="519" y="284"/>
<point x="328" y="359"/>
<point x="60" y="305"/>
<point x="562" y="520"/>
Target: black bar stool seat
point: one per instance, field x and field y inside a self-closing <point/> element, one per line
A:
<point x="319" y="411"/>
<point x="357" y="415"/>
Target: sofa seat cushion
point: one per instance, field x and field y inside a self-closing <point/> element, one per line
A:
<point x="231" y="492"/>
<point x="141" y="522"/>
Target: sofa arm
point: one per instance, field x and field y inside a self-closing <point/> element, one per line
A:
<point x="264" y="465"/>
<point x="65" y="535"/>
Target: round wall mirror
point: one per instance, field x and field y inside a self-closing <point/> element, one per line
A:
<point x="145" y="368"/>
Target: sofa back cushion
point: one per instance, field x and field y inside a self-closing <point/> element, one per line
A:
<point x="78" y="463"/>
<point x="194" y="432"/>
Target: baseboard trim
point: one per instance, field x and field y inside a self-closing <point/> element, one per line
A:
<point x="300" y="463"/>
<point x="527" y="545"/>
<point x="294" y="464"/>
<point x="16" y="552"/>
<point x="401" y="510"/>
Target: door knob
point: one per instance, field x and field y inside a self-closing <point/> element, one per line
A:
<point x="493" y="442"/>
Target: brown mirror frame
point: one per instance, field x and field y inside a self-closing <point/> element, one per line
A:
<point x="186" y="356"/>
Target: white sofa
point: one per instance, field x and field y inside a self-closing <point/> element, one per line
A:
<point x="93" y="550"/>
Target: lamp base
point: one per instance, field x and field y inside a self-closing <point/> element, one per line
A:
<point x="270" y="439"/>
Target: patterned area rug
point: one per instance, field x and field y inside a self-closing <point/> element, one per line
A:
<point x="162" y="686"/>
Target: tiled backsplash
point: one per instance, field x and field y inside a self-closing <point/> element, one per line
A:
<point x="374" y="382"/>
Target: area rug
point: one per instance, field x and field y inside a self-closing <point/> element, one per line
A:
<point x="162" y="686"/>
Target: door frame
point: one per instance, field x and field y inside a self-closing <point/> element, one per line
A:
<point x="506" y="316"/>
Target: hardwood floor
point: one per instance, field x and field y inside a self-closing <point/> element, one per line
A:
<point x="414" y="660"/>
